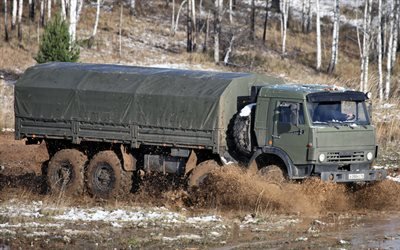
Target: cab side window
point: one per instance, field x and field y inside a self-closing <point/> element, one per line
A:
<point x="285" y="112"/>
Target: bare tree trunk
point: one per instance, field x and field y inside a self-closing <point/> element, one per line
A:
<point x="72" y="20"/>
<point x="284" y="18"/>
<point x="335" y="38"/>
<point x="395" y="33"/>
<point x="366" y="45"/>
<point x="96" y="23"/>
<point x="173" y="17"/>
<point x="389" y="50"/>
<point x="205" y="46"/>
<point x="132" y="7"/>
<point x="303" y="16"/>
<point x="318" y="28"/>
<point x="230" y="12"/>
<point x="63" y="13"/>
<point x="120" y="29"/>
<point x="42" y="12"/>
<point x="229" y="51"/>
<point x="189" y="27"/>
<point x="32" y="10"/>
<point x="217" y="27"/>
<point x="14" y="14"/>
<point x="309" y="17"/>
<point x="379" y="45"/>
<point x="265" y="21"/>
<point x="6" y="38"/>
<point x="252" y="21"/>
<point x="20" y="9"/>
<point x="194" y="25"/>
<point x="177" y="17"/>
<point x="48" y="10"/>
<point x="79" y="10"/>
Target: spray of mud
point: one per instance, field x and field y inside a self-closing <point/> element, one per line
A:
<point x="232" y="188"/>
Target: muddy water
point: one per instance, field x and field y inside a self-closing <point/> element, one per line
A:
<point x="377" y="232"/>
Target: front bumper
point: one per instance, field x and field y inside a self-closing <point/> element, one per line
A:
<point x="354" y="176"/>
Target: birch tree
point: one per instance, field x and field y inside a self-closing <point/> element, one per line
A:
<point x="72" y="20"/>
<point x="63" y="8"/>
<point x="284" y="18"/>
<point x="177" y="16"/>
<point x="390" y="51"/>
<point x="318" y="28"/>
<point x="14" y="14"/>
<point x="231" y="11"/>
<point x="217" y="27"/>
<point x="42" y="12"/>
<point x="20" y="11"/>
<point x="335" y="38"/>
<point x="379" y="48"/>
<point x="48" y="10"/>
<point x="6" y="38"/>
<point x="366" y="45"/>
<point x="96" y="22"/>
<point x="132" y="7"/>
<point x="173" y="17"/>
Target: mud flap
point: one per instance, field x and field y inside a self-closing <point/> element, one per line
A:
<point x="191" y="162"/>
<point x="129" y="162"/>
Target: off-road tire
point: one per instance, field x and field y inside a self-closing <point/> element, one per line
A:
<point x="240" y="136"/>
<point x="118" y="183"/>
<point x="65" y="172"/>
<point x="200" y="173"/>
<point x="273" y="173"/>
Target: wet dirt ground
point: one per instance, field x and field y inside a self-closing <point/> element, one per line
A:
<point x="236" y="211"/>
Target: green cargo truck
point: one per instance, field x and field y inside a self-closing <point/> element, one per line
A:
<point x="103" y="123"/>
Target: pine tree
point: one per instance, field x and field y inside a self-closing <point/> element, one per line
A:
<point x="56" y="44"/>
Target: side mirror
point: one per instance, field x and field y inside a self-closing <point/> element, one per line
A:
<point x="294" y="114"/>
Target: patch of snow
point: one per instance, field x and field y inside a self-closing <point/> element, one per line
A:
<point x="116" y="224"/>
<point x="204" y="219"/>
<point x="215" y="234"/>
<point x="35" y="234"/>
<point x="246" y="111"/>
<point x="302" y="239"/>
<point x="194" y="237"/>
<point x="7" y="231"/>
<point x="7" y="130"/>
<point x="395" y="179"/>
<point x="31" y="225"/>
<point x="388" y="105"/>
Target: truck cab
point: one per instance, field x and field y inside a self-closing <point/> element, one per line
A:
<point x="315" y="130"/>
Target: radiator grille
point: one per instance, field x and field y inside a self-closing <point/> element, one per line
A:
<point x="345" y="156"/>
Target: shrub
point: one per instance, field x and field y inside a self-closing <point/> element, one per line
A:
<point x="56" y="45"/>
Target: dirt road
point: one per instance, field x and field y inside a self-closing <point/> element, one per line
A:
<point x="236" y="211"/>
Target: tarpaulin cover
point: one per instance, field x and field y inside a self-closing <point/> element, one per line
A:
<point x="115" y="94"/>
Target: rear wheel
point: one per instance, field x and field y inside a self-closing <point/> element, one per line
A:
<point x="65" y="172"/>
<point x="105" y="177"/>
<point x="273" y="173"/>
<point x="201" y="172"/>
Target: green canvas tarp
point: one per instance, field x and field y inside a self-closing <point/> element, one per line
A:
<point x="149" y="99"/>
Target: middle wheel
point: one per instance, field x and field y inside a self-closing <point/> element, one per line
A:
<point x="105" y="177"/>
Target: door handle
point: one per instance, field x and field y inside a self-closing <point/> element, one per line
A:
<point x="276" y="137"/>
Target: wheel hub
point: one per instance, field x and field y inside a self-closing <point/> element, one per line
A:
<point x="104" y="177"/>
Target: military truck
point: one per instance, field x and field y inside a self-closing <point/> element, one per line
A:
<point x="104" y="123"/>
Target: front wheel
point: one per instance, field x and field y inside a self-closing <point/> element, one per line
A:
<point x="105" y="177"/>
<point x="273" y="173"/>
<point x="201" y="172"/>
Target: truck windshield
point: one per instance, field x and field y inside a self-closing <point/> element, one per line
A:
<point x="338" y="112"/>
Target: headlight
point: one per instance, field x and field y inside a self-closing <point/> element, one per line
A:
<point x="321" y="157"/>
<point x="370" y="156"/>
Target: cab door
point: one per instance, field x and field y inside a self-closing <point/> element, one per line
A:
<point x="291" y="134"/>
